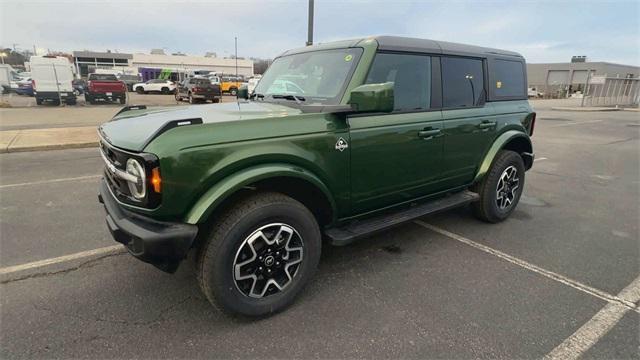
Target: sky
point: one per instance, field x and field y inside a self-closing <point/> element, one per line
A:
<point x="542" y="31"/>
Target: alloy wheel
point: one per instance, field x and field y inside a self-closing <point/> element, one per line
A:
<point x="268" y="260"/>
<point x="507" y="188"/>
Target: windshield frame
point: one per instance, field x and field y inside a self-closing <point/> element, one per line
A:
<point x="313" y="100"/>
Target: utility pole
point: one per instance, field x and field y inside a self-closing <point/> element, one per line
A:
<point x="236" y="44"/>
<point x="310" y="29"/>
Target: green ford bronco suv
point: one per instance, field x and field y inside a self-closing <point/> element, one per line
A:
<point x="338" y="141"/>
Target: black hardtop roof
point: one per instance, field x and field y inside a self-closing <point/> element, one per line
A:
<point x="399" y="43"/>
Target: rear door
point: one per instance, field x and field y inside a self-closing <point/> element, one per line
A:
<point x="396" y="157"/>
<point x="469" y="121"/>
<point x="65" y="76"/>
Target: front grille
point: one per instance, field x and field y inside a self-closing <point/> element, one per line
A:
<point x="118" y="159"/>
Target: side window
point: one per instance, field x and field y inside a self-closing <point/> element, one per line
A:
<point x="509" y="78"/>
<point x="411" y="75"/>
<point x="462" y="82"/>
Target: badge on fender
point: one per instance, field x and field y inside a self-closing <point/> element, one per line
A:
<point x="341" y="144"/>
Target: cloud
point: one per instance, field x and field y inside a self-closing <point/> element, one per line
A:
<point x="543" y="31"/>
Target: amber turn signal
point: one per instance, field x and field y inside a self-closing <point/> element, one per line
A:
<point x="156" y="180"/>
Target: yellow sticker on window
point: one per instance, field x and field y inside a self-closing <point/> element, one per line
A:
<point x="498" y="84"/>
<point x="348" y="57"/>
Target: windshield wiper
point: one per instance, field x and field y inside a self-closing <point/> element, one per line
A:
<point x="298" y="99"/>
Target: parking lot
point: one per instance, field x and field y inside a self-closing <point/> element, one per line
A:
<point x="560" y="277"/>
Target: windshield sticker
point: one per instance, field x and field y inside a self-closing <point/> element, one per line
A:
<point x="498" y="84"/>
<point x="348" y="58"/>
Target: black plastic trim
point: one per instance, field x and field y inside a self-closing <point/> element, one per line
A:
<point x="162" y="244"/>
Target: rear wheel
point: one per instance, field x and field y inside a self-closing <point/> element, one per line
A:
<point x="140" y="90"/>
<point x="38" y="101"/>
<point x="164" y="90"/>
<point x="501" y="188"/>
<point x="191" y="99"/>
<point x="215" y="100"/>
<point x="71" y="102"/>
<point x="260" y="254"/>
<point x="233" y="91"/>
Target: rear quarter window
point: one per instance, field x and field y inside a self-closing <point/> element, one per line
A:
<point x="508" y="79"/>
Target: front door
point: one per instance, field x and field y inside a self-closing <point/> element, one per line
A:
<point x="469" y="122"/>
<point x="396" y="157"/>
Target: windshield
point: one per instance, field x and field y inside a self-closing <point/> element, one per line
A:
<point x="317" y="76"/>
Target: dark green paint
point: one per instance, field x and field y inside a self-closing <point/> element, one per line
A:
<point x="392" y="158"/>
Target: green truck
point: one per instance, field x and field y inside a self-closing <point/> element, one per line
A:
<point x="337" y="142"/>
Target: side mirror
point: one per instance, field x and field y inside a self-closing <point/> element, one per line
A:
<point x="372" y="98"/>
<point x="243" y="92"/>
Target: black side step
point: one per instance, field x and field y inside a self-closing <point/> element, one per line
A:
<point x="348" y="233"/>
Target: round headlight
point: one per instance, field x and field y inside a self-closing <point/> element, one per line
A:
<point x="137" y="189"/>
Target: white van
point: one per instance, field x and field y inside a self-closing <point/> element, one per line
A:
<point x="52" y="78"/>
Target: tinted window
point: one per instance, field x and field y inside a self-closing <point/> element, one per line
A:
<point x="103" y="77"/>
<point x="509" y="78"/>
<point x="462" y="82"/>
<point x="411" y="75"/>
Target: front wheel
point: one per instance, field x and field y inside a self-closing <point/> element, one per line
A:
<point x="260" y="255"/>
<point x="501" y="188"/>
<point x="140" y="90"/>
<point x="233" y="91"/>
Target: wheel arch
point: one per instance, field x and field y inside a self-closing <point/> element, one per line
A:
<point x="510" y="140"/>
<point x="290" y="180"/>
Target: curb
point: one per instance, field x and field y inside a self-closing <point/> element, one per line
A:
<point x="584" y="109"/>
<point x="79" y="145"/>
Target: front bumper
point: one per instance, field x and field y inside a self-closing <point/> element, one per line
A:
<point x="162" y="244"/>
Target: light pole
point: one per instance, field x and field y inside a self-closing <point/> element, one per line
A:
<point x="310" y="29"/>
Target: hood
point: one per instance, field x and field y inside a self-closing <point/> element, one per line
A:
<point x="134" y="129"/>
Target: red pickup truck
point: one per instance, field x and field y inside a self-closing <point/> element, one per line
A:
<point x="105" y="87"/>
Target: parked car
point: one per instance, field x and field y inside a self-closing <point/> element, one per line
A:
<point x="129" y="80"/>
<point x="51" y="78"/>
<point x="252" y="83"/>
<point x="532" y="92"/>
<point x="25" y="87"/>
<point x="155" y="85"/>
<point x="79" y="86"/>
<point x="382" y="131"/>
<point x="230" y="84"/>
<point x="105" y="87"/>
<point x="198" y="89"/>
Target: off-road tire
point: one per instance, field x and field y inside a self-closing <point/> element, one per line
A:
<point x="486" y="208"/>
<point x="216" y="255"/>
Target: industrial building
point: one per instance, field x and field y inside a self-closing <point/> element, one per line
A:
<point x="562" y="80"/>
<point x="189" y="62"/>
<point x="87" y="61"/>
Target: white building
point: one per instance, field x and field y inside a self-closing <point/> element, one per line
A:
<point x="187" y="62"/>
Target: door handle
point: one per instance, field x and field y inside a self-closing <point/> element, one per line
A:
<point x="487" y="124"/>
<point x="429" y="134"/>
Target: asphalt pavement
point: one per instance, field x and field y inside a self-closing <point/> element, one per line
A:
<point x="447" y="286"/>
